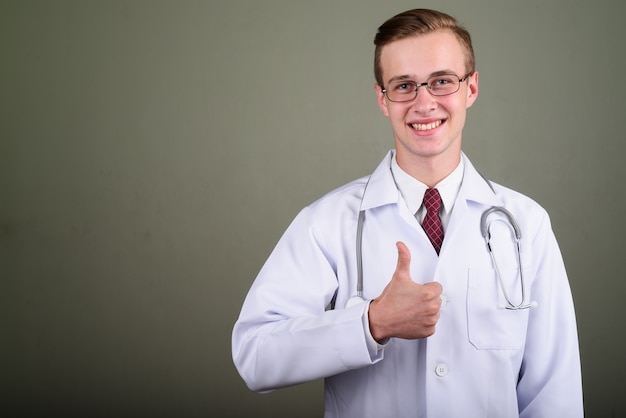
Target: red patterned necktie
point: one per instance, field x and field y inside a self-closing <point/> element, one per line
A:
<point x="432" y="223"/>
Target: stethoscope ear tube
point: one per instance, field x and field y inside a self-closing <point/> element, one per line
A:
<point x="359" y="254"/>
<point x="358" y="297"/>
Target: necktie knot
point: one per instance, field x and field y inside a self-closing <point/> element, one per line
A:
<point x="432" y="200"/>
<point x="432" y="223"/>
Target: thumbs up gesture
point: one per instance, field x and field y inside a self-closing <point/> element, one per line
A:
<point x="405" y="309"/>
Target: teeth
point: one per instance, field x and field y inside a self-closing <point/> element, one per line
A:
<point x="425" y="126"/>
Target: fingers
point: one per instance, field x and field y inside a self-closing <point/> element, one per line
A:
<point x="403" y="268"/>
<point x="434" y="288"/>
<point x="405" y="308"/>
<point x="430" y="293"/>
<point x="430" y="309"/>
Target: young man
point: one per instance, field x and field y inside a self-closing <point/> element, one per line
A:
<point x="442" y="329"/>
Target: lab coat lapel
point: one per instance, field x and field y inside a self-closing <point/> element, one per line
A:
<point x="380" y="189"/>
<point x="476" y="188"/>
<point x="475" y="191"/>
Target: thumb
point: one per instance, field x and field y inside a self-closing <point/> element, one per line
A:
<point x="403" y="268"/>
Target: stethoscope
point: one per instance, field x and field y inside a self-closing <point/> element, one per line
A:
<point x="485" y="230"/>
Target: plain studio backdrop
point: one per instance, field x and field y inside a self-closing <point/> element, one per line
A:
<point x="153" y="152"/>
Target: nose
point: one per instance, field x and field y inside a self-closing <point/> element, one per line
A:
<point x="424" y="101"/>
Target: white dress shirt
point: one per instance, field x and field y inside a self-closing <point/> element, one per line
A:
<point x="413" y="190"/>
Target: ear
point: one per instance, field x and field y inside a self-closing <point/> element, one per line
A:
<point x="472" y="89"/>
<point x="382" y="102"/>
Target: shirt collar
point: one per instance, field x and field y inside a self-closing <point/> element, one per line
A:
<point x="412" y="190"/>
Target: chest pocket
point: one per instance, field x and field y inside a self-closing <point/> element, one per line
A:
<point x="490" y="325"/>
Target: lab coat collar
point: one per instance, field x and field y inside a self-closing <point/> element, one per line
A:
<point x="476" y="187"/>
<point x="381" y="188"/>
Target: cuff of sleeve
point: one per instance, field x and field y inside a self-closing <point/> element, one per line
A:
<point x="374" y="347"/>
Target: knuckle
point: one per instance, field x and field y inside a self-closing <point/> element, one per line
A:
<point x="429" y="331"/>
<point x="432" y="290"/>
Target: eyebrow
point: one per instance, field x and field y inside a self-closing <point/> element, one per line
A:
<point x="406" y="77"/>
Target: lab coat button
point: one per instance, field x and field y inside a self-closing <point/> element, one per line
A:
<point x="441" y="370"/>
<point x="444" y="300"/>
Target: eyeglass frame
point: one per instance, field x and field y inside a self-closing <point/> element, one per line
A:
<point x="425" y="84"/>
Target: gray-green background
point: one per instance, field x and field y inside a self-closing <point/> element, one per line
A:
<point x="152" y="153"/>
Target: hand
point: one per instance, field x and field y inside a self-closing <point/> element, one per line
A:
<point x="405" y="309"/>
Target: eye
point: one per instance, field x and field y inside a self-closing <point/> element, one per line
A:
<point x="442" y="82"/>
<point x="404" y="87"/>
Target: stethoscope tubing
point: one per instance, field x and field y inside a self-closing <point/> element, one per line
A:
<point x="484" y="227"/>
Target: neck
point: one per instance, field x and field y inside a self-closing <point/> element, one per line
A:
<point x="429" y="170"/>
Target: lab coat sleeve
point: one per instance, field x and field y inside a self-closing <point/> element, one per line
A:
<point x="550" y="378"/>
<point x="284" y="334"/>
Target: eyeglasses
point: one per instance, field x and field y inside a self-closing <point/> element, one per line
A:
<point x="439" y="85"/>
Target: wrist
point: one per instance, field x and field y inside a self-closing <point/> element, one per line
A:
<point x="376" y="329"/>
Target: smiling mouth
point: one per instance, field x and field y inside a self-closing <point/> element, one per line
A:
<point x="426" y="126"/>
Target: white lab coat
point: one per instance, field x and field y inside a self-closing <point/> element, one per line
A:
<point x="482" y="361"/>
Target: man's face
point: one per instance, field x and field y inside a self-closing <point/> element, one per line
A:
<point x="427" y="128"/>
